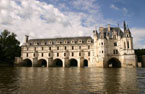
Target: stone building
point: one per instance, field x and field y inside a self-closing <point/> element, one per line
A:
<point x="110" y="47"/>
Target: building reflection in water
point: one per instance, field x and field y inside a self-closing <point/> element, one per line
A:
<point x="68" y="81"/>
<point x="120" y="81"/>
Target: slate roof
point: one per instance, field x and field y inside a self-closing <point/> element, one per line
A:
<point x="62" y="39"/>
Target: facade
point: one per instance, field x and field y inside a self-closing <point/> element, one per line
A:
<point x="110" y="47"/>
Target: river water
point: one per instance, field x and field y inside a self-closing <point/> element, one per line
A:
<point x="32" y="80"/>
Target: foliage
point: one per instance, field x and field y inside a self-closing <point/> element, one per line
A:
<point x="139" y="53"/>
<point x="9" y="47"/>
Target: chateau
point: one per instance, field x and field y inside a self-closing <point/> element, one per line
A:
<point x="109" y="47"/>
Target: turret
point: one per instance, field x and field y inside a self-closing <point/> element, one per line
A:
<point x="95" y="34"/>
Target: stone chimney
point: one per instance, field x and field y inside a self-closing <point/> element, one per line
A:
<point x="26" y="38"/>
<point x="101" y="29"/>
<point x="108" y="27"/>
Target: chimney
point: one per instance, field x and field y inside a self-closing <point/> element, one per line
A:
<point x="101" y="29"/>
<point x="26" y="38"/>
<point x="108" y="27"/>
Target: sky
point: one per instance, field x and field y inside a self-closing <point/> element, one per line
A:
<point x="69" y="18"/>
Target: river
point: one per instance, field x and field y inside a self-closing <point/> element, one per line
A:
<point x="33" y="80"/>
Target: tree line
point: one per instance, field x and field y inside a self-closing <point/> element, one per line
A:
<point x="9" y="47"/>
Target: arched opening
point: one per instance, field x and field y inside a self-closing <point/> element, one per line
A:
<point x="85" y="63"/>
<point x="57" y="63"/>
<point x="114" y="63"/>
<point x="42" y="63"/>
<point x="27" y="63"/>
<point x="73" y="63"/>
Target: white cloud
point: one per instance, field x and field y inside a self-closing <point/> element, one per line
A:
<point x="42" y="20"/>
<point x="138" y="37"/>
<point x="114" y="7"/>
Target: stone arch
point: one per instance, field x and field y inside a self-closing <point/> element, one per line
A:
<point x="73" y="63"/>
<point x="114" y="63"/>
<point x="57" y="62"/>
<point x="27" y="63"/>
<point x="85" y="63"/>
<point x="42" y="63"/>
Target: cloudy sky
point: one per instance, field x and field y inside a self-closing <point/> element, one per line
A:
<point x="64" y="18"/>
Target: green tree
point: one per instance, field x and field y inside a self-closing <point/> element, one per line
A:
<point x="9" y="47"/>
<point x="139" y="53"/>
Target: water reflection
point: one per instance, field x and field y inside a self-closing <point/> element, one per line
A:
<point x="69" y="81"/>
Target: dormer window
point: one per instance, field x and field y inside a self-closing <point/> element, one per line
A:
<point x="65" y="42"/>
<point x="42" y="43"/>
<point x="80" y="41"/>
<point x="50" y="42"/>
<point x="88" y="41"/>
<point x="72" y="42"/>
<point x="114" y="36"/>
<point x="58" y="42"/>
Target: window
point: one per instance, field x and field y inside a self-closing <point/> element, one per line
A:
<point x="57" y="54"/>
<point x="124" y="45"/>
<point x="115" y="51"/>
<point x="102" y="43"/>
<point x="114" y="36"/>
<point x="26" y="54"/>
<point x="72" y="54"/>
<point x="34" y="54"/>
<point x="115" y="44"/>
<point x="88" y="53"/>
<point x="72" y="47"/>
<point x="42" y="54"/>
<point x="49" y="48"/>
<point x="35" y="48"/>
<point x="79" y="47"/>
<point x="65" y="47"/>
<point x="57" y="48"/>
<point x="42" y="48"/>
<point x="102" y="51"/>
<point x="89" y="47"/>
<point x="127" y="44"/>
<point x="64" y="54"/>
<point x="49" y="54"/>
<point x="79" y="54"/>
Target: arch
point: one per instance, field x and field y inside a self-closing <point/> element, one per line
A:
<point x="113" y="63"/>
<point x="57" y="63"/>
<point x="42" y="63"/>
<point x="27" y="63"/>
<point x="73" y="63"/>
<point x="85" y="63"/>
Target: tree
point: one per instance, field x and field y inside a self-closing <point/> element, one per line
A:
<point x="9" y="47"/>
<point x="139" y="53"/>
